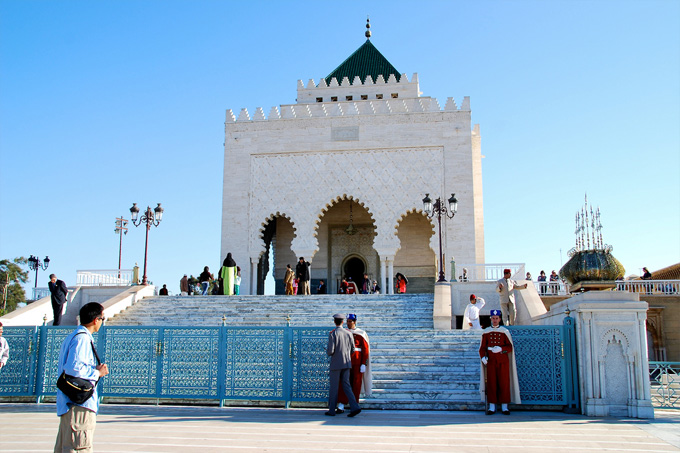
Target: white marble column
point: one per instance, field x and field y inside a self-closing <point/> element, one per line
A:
<point x="383" y="275"/>
<point x="253" y="274"/>
<point x="390" y="273"/>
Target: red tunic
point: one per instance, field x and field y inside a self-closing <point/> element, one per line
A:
<point x="356" y="377"/>
<point x="498" y="367"/>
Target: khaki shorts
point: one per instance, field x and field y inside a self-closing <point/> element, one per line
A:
<point x="76" y="431"/>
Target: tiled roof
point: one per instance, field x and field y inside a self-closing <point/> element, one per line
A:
<point x="365" y="61"/>
<point x="667" y="273"/>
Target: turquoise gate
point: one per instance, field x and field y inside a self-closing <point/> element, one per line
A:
<point x="287" y="364"/>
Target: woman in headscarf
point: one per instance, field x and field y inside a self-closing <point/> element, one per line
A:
<point x="401" y="283"/>
<point x="228" y="275"/>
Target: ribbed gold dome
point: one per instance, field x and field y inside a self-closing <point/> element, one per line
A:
<point x="592" y="265"/>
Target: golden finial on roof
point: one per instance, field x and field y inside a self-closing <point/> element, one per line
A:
<point x="368" y="27"/>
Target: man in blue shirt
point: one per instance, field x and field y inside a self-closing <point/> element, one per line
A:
<point x="77" y="358"/>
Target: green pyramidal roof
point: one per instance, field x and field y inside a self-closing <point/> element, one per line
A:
<point x="365" y="61"/>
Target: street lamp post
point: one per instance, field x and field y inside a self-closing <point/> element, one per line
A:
<point x="150" y="218"/>
<point x="35" y="264"/>
<point x="438" y="209"/>
<point x="121" y="228"/>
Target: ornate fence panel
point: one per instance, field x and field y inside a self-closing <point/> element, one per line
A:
<point x="254" y="363"/>
<point x="664" y="378"/>
<point x="17" y="378"/>
<point x="309" y="364"/>
<point x="546" y="365"/>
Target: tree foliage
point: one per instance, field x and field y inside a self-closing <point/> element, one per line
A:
<point x="13" y="272"/>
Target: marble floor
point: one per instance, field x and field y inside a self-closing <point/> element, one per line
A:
<point x="123" y="428"/>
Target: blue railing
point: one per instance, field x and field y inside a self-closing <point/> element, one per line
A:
<point x="546" y="364"/>
<point x="664" y="378"/>
<point x="287" y="364"/>
<point x="225" y="363"/>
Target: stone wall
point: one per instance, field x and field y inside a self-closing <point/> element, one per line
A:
<point x="664" y="318"/>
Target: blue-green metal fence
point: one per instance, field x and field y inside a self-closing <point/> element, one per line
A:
<point x="250" y="363"/>
<point x="546" y="364"/>
<point x="664" y="380"/>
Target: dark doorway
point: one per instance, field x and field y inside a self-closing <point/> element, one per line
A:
<point x="354" y="268"/>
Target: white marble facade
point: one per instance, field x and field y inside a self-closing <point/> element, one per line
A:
<point x="384" y="154"/>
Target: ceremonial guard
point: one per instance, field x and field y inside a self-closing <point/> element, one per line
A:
<point x="360" y="375"/>
<point x="340" y="347"/>
<point x="498" y="366"/>
<point x="505" y="288"/>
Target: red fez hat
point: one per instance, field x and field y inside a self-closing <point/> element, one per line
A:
<point x="506" y="271"/>
<point x="472" y="297"/>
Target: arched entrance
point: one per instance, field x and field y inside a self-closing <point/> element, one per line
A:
<point x="354" y="267"/>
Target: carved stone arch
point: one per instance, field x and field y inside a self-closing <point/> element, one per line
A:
<point x="434" y="241"/>
<point x="344" y="197"/>
<point x="256" y="242"/>
<point x="416" y="257"/>
<point x="615" y="335"/>
<point x="266" y="236"/>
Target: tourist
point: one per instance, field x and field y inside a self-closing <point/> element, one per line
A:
<point x="163" y="291"/>
<point x="302" y="273"/>
<point x="375" y="288"/>
<point x="216" y="288"/>
<point x="58" y="292"/>
<point x="505" y="287"/>
<point x="542" y="285"/>
<point x="77" y="358"/>
<point x="184" y="286"/>
<point x="471" y="315"/>
<point x="228" y="275"/>
<point x="646" y="275"/>
<point x="237" y="281"/>
<point x="343" y="286"/>
<point x="498" y="360"/>
<point x="322" y="288"/>
<point x="464" y="277"/>
<point x="528" y="276"/>
<point x="401" y="283"/>
<point x="365" y="285"/>
<point x="554" y="278"/>
<point x="360" y="374"/>
<point x="288" y="280"/>
<point x="205" y="278"/>
<point x="340" y="347"/>
<point x="4" y="349"/>
<point x="295" y="286"/>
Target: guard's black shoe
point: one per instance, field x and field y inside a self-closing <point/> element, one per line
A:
<point x="329" y="413"/>
<point x="506" y="412"/>
<point x="339" y="411"/>
<point x="354" y="413"/>
<point x="490" y="412"/>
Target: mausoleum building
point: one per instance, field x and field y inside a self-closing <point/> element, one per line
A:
<point x="338" y="178"/>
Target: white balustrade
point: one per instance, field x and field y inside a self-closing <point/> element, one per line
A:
<point x="488" y="272"/>
<point x="104" y="277"/>
<point x="649" y="286"/>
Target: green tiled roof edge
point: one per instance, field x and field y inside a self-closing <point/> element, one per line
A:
<point x="365" y="61"/>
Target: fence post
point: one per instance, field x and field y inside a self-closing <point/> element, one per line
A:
<point x="40" y="373"/>
<point x="222" y="364"/>
<point x="570" y="357"/>
<point x="288" y="364"/>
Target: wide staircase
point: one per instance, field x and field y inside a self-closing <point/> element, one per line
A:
<point x="413" y="366"/>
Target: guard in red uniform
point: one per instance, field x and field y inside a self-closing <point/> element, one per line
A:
<point x="498" y="358"/>
<point x="360" y="374"/>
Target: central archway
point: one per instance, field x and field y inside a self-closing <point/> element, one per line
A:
<point x="354" y="267"/>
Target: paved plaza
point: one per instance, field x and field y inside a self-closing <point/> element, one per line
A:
<point x="32" y="428"/>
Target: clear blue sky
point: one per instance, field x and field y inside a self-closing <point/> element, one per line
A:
<point x="103" y="104"/>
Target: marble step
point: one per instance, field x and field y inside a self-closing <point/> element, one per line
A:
<point x="395" y="384"/>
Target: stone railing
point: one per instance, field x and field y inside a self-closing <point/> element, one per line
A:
<point x="39" y="293"/>
<point x="104" y="277"/>
<point x="649" y="286"/>
<point x="488" y="272"/>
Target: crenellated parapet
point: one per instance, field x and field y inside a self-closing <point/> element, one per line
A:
<point x="357" y="89"/>
<point x="349" y="108"/>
